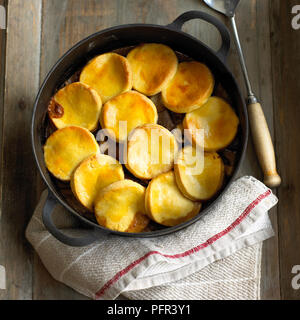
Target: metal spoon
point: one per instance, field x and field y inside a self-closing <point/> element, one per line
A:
<point x="259" y="128"/>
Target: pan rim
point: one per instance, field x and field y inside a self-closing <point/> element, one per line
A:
<point x="167" y="230"/>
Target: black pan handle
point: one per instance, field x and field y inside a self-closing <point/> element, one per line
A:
<point x="50" y="204"/>
<point x="225" y="35"/>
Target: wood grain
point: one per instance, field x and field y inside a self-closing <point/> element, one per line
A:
<point x="263" y="144"/>
<point x="2" y="76"/>
<point x="17" y="166"/>
<point x="2" y="73"/>
<point x="270" y="286"/>
<point x="286" y="87"/>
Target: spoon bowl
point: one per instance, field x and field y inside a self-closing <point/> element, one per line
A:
<point x="227" y="7"/>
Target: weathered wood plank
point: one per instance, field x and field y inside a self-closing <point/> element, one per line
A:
<point x="270" y="285"/>
<point x="2" y="72"/>
<point x="286" y="69"/>
<point x="17" y="165"/>
<point x="255" y="40"/>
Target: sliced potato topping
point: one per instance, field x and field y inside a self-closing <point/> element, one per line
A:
<point x="191" y="86"/>
<point x="76" y="104"/>
<point x="66" y="148"/>
<point x="165" y="204"/>
<point x="198" y="176"/>
<point x="93" y="174"/>
<point x="109" y="74"/>
<point x="153" y="66"/>
<point x="151" y="151"/>
<point x="125" y="112"/>
<point x="219" y="122"/>
<point x="178" y="182"/>
<point x="121" y="207"/>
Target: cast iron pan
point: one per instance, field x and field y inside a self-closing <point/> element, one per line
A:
<point x="116" y="38"/>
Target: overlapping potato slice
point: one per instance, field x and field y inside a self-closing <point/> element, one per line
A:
<point x="191" y="86"/>
<point x="66" y="148"/>
<point x="109" y="74"/>
<point x="199" y="176"/>
<point x="93" y="174"/>
<point x="219" y="122"/>
<point x="153" y="66"/>
<point x="151" y="151"/>
<point x="121" y="207"/>
<point x="76" y="104"/>
<point x="165" y="204"/>
<point x="125" y="112"/>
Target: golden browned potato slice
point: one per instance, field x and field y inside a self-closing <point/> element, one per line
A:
<point x="198" y="176"/>
<point x="109" y="74"/>
<point x="93" y="174"/>
<point x="153" y="66"/>
<point x="76" y="104"/>
<point x="125" y="112"/>
<point x="66" y="148"/>
<point x="151" y="151"/>
<point x="219" y="122"/>
<point x="191" y="86"/>
<point x="121" y="207"/>
<point x="165" y="204"/>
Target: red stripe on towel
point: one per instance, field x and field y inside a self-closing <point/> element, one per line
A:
<point x="201" y="246"/>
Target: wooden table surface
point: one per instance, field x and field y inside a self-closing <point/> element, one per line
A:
<point x="40" y="31"/>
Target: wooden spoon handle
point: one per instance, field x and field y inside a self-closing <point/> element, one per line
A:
<point x="263" y="145"/>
